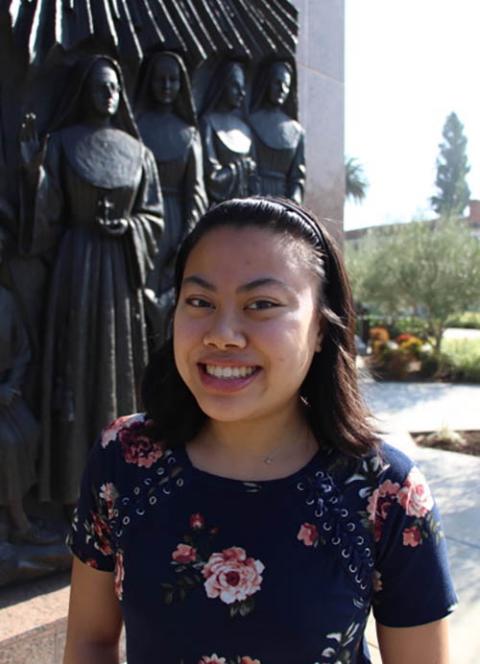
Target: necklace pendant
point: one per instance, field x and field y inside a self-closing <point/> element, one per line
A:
<point x="268" y="459"/>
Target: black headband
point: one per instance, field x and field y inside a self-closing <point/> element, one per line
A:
<point x="314" y="229"/>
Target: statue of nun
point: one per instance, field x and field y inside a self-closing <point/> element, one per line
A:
<point x="279" y="137"/>
<point x="98" y="216"/>
<point x="227" y="139"/>
<point x="18" y="428"/>
<point x="168" y="125"/>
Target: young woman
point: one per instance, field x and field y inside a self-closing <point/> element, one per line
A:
<point x="251" y="516"/>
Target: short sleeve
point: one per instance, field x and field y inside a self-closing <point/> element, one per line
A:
<point x="412" y="580"/>
<point x="90" y="538"/>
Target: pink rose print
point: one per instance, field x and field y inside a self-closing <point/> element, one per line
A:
<point x="415" y="496"/>
<point x="412" y="536"/>
<point x="91" y="562"/>
<point x="109" y="494"/>
<point x="137" y="445"/>
<point x="249" y="660"/>
<point x="184" y="554"/>
<point x="101" y="531"/>
<point x="232" y="576"/>
<point x="119" y="575"/>
<point x="110" y="432"/>
<point x="197" y="521"/>
<point x="308" y="534"/>
<point x="213" y="659"/>
<point x="379" y="504"/>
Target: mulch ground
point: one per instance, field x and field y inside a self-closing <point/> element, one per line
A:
<point x="471" y="445"/>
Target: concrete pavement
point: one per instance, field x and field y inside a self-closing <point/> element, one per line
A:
<point x="454" y="479"/>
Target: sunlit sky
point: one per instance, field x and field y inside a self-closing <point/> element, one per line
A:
<point x="408" y="64"/>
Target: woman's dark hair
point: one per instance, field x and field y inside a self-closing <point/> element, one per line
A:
<point x="334" y="407"/>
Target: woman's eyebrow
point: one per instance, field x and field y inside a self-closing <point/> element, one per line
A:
<point x="251" y="285"/>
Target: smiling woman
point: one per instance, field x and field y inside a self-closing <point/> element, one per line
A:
<point x="252" y="506"/>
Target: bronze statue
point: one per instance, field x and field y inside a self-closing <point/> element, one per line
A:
<point x="18" y="428"/>
<point x="168" y="125"/>
<point x="279" y="137"/>
<point x="227" y="139"/>
<point x="98" y="215"/>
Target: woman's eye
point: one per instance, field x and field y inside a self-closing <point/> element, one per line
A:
<point x="262" y="304"/>
<point x="197" y="302"/>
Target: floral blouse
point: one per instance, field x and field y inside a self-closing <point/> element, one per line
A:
<point x="210" y="570"/>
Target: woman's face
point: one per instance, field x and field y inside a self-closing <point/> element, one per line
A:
<point x="165" y="81"/>
<point x="246" y="325"/>
<point x="235" y="88"/>
<point x="279" y="85"/>
<point x="104" y="89"/>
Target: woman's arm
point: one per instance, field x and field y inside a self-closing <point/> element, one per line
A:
<point x="424" y="644"/>
<point x="94" y="617"/>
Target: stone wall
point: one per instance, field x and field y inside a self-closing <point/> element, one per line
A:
<point x="321" y="92"/>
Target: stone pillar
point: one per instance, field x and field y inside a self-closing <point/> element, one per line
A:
<point x="321" y="96"/>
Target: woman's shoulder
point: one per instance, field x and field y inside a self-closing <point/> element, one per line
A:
<point x="383" y="466"/>
<point x="133" y="439"/>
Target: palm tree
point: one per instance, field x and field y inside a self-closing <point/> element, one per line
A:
<point x="356" y="184"/>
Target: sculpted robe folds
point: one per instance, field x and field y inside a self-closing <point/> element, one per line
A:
<point x="280" y="154"/>
<point x="227" y="148"/>
<point x="95" y="344"/>
<point x="178" y="152"/>
<point x="18" y="428"/>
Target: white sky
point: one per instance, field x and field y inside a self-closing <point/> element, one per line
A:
<point x="408" y="64"/>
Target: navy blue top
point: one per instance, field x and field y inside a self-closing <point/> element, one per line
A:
<point x="211" y="570"/>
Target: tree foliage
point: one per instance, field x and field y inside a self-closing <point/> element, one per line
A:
<point x="431" y="269"/>
<point x="452" y="169"/>
<point x="356" y="183"/>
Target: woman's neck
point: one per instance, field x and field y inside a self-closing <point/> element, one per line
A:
<point x="253" y="450"/>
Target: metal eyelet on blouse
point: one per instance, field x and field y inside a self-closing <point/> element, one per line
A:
<point x="166" y="491"/>
<point x="360" y="540"/>
<point x="318" y="513"/>
<point x="125" y="500"/>
<point x="319" y="473"/>
<point x="136" y="490"/>
<point x="152" y="500"/>
<point x="180" y="482"/>
<point x="358" y="579"/>
<point x="310" y="501"/>
<point x="350" y="526"/>
<point x="344" y="513"/>
<point x="147" y="481"/>
<point x="345" y="553"/>
<point x="336" y="541"/>
<point x="115" y="512"/>
<point x="300" y="486"/>
<point x="140" y="511"/>
<point x="171" y="459"/>
<point x="327" y="527"/>
<point x="363" y="586"/>
<point x="353" y="569"/>
<point x="160" y="471"/>
<point x="126" y="520"/>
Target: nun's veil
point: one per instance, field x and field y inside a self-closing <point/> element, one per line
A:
<point x="72" y="111"/>
<point x="217" y="87"/>
<point x="260" y="88"/>
<point x="183" y="105"/>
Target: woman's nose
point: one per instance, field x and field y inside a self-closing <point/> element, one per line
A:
<point x="225" y="332"/>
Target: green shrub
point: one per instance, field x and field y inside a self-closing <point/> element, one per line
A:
<point x="464" y="356"/>
<point x="469" y="320"/>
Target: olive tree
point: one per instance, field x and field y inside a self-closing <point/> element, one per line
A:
<point x="427" y="268"/>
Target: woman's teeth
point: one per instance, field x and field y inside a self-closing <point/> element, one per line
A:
<point x="229" y="372"/>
